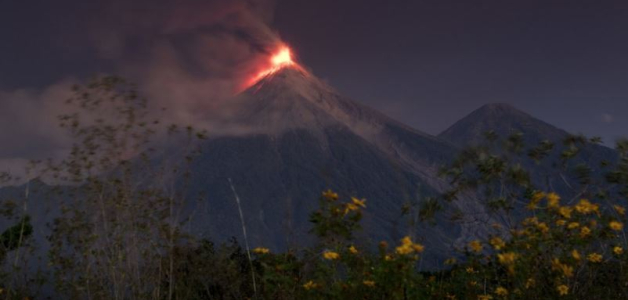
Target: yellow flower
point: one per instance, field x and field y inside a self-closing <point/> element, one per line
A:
<point x="500" y="291"/>
<point x="507" y="258"/>
<point x="575" y="254"/>
<point x="358" y="202"/>
<point x="470" y="270"/>
<point x="567" y="270"/>
<point x="584" y="232"/>
<point x="353" y="250"/>
<point x="562" y="290"/>
<point x="369" y="283"/>
<point x="555" y="264"/>
<point x="310" y="285"/>
<point x="553" y="200"/>
<point x="418" y="248"/>
<point x="451" y="261"/>
<point x="534" y="201"/>
<point x="537" y="197"/>
<point x="620" y="210"/>
<point x="617" y="226"/>
<point x="485" y="297"/>
<point x="586" y="207"/>
<point x="350" y="207"/>
<point x="573" y="225"/>
<point x="565" y="211"/>
<point x="594" y="258"/>
<point x="561" y="223"/>
<point x="330" y="195"/>
<point x="260" y="250"/>
<point x="404" y="249"/>
<point x="618" y="250"/>
<point x="407" y="247"/>
<point x="330" y="255"/>
<point x="542" y="227"/>
<point x="388" y="257"/>
<point x="476" y="246"/>
<point x="497" y="243"/>
<point x="530" y="283"/>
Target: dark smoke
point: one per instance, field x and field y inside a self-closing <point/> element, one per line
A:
<point x="186" y="56"/>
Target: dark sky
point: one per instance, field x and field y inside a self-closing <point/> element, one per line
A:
<point x="429" y="63"/>
<point x="426" y="63"/>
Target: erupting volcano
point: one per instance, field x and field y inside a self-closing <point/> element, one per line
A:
<point x="282" y="58"/>
<point x="288" y="135"/>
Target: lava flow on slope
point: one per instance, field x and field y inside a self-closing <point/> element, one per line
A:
<point x="282" y="58"/>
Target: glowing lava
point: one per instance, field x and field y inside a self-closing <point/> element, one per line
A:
<point x="283" y="58"/>
<point x="279" y="60"/>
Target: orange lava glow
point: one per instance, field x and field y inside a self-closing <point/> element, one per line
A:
<point x="282" y="58"/>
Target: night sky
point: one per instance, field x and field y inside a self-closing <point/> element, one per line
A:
<point x="426" y="63"/>
<point x="429" y="63"/>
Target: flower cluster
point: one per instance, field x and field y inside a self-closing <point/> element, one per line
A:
<point x="409" y="247"/>
<point x="560" y="245"/>
<point x="553" y="253"/>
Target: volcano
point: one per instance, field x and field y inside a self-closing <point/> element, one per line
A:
<point x="303" y="137"/>
<point x="299" y="136"/>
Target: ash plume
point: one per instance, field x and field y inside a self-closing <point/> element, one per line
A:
<point x="188" y="57"/>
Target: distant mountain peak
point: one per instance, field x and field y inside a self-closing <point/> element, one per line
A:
<point x="504" y="119"/>
<point x="497" y="105"/>
<point x="499" y="108"/>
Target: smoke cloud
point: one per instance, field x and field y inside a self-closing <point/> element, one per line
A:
<point x="188" y="56"/>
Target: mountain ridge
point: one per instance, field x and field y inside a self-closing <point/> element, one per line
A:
<point x="503" y="119"/>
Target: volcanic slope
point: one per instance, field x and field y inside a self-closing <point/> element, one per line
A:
<point x="302" y="137"/>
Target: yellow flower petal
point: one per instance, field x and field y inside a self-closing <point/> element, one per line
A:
<point x="330" y="255"/>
